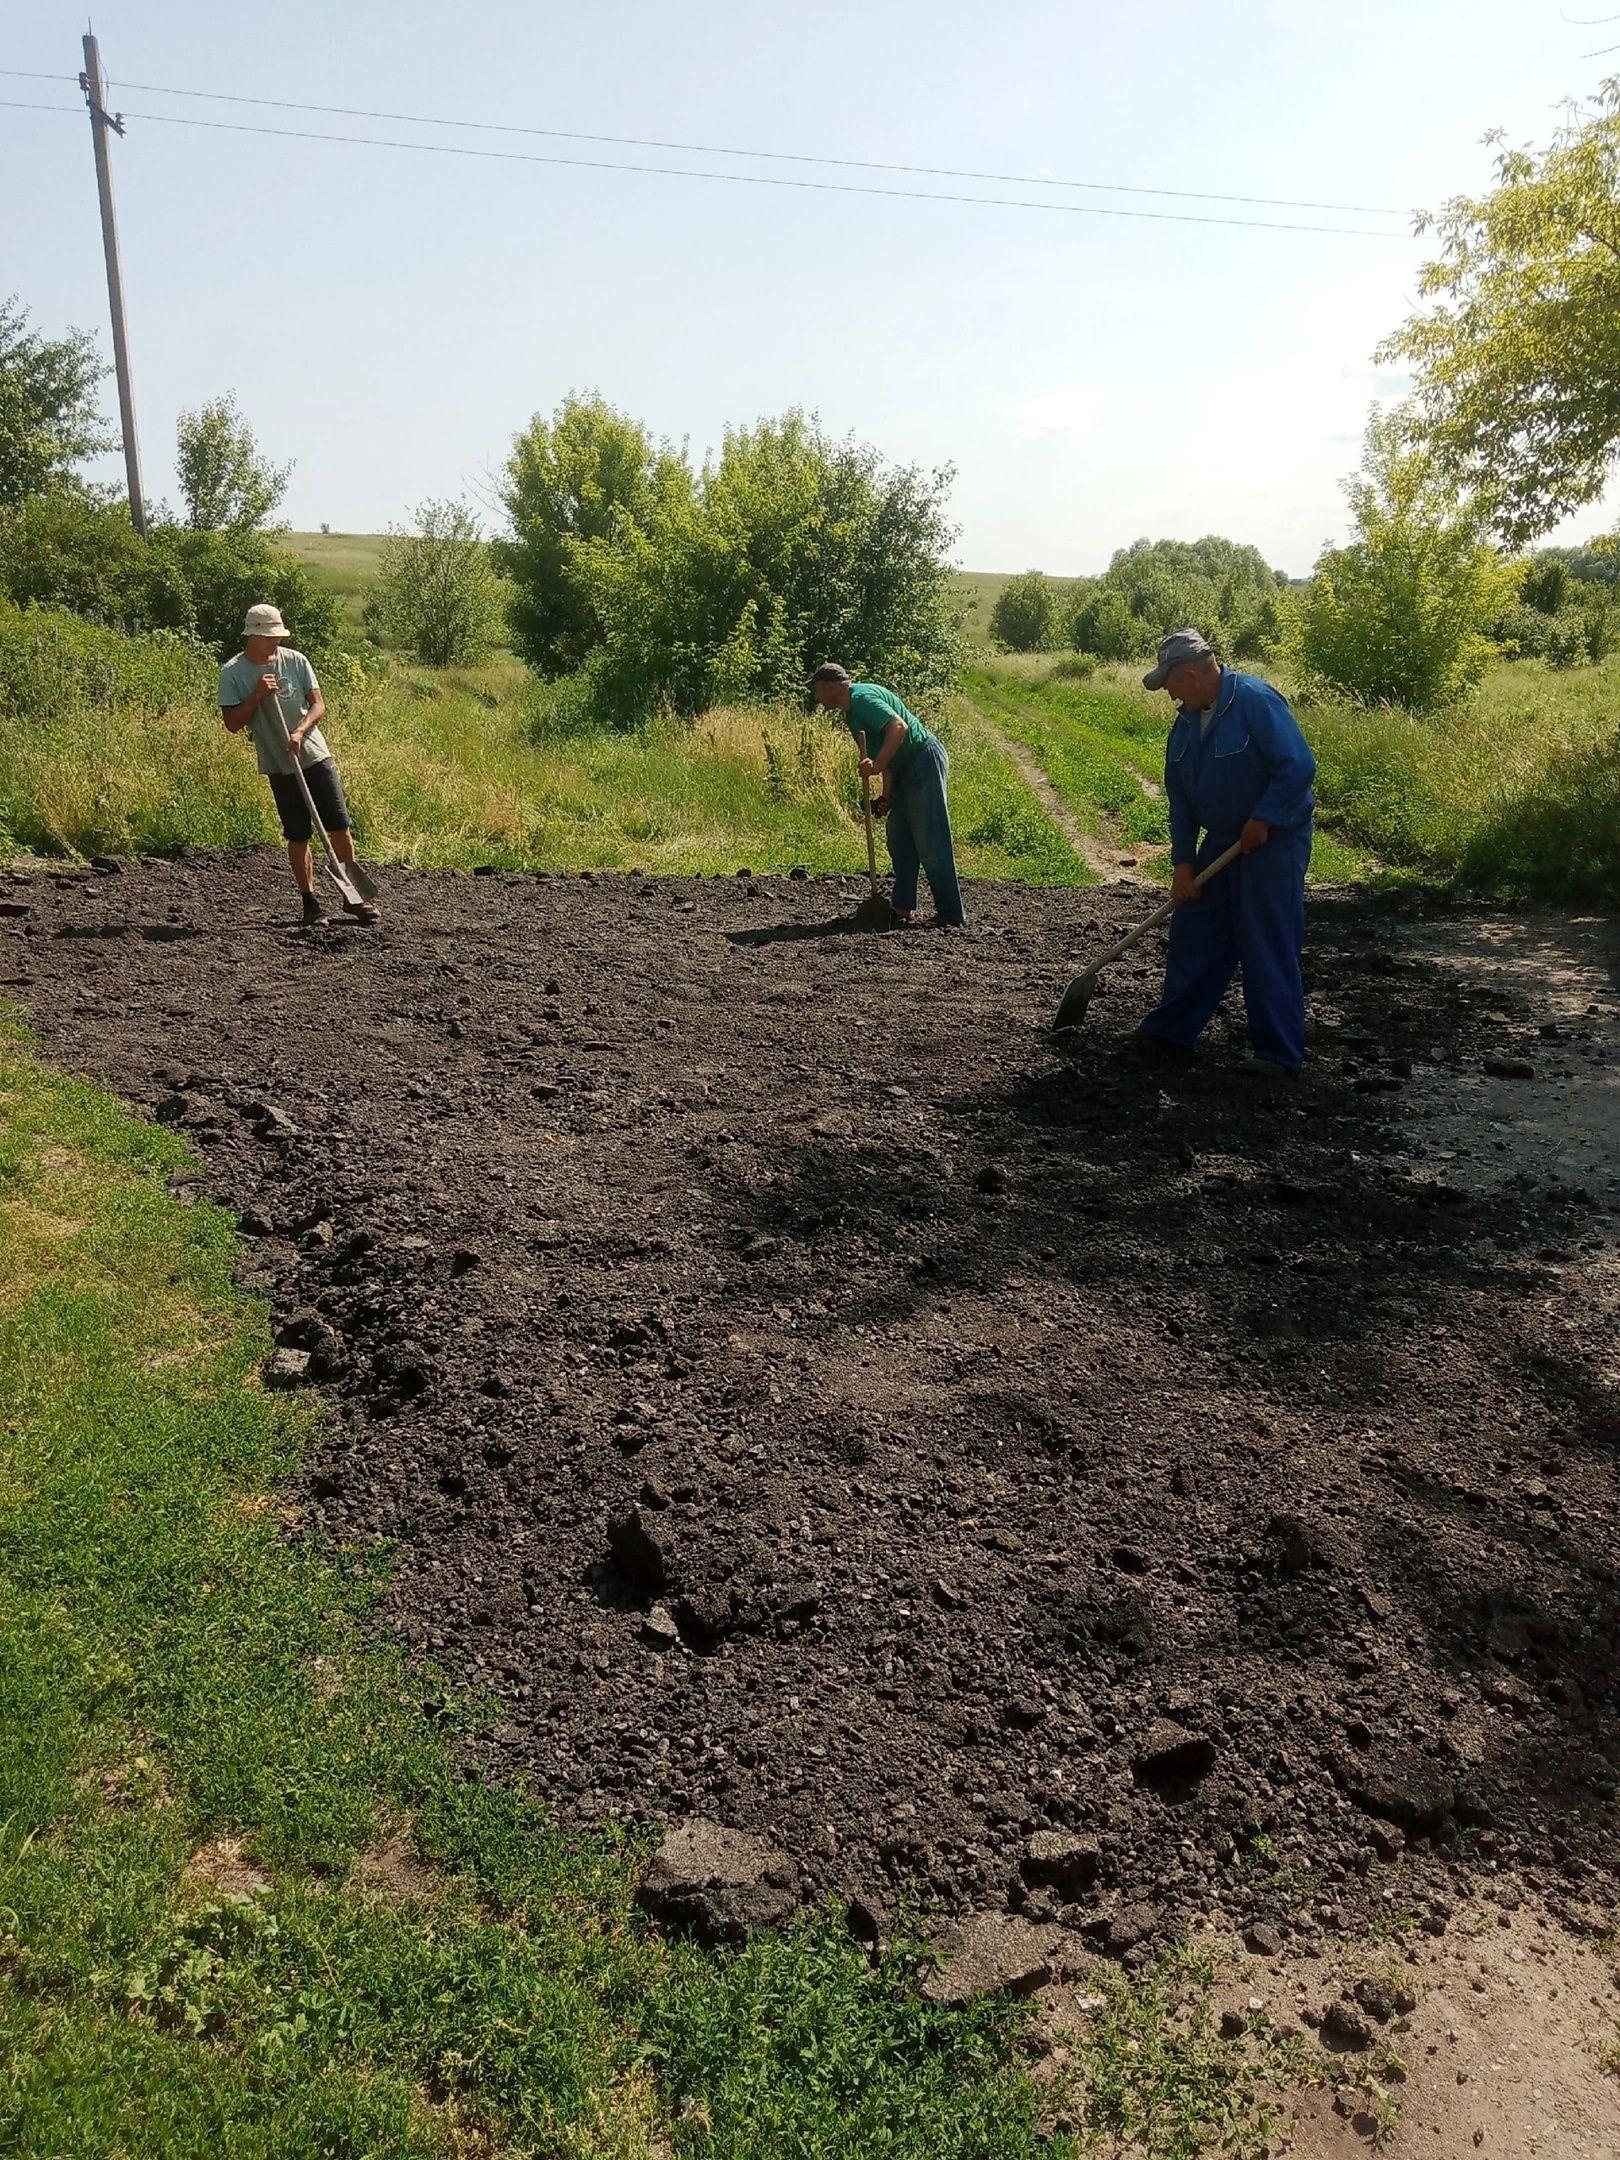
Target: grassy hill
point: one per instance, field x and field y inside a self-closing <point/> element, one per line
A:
<point x="345" y="562"/>
<point x="979" y="591"/>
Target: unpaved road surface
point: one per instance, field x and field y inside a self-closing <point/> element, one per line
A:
<point x="810" y="1398"/>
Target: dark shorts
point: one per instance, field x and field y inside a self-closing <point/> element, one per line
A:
<point x="292" y="809"/>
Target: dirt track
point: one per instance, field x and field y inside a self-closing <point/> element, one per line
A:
<point x="1015" y="1440"/>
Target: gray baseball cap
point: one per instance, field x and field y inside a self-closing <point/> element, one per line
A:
<point x="1175" y="651"/>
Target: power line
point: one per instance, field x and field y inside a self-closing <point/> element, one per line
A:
<point x="684" y="172"/>
<point x="792" y="157"/>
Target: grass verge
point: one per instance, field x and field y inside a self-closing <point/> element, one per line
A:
<point x="250" y="1902"/>
<point x="451" y="770"/>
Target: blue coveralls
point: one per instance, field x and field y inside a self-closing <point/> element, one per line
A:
<point x="1251" y="762"/>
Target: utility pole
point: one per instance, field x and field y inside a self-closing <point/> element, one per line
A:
<point x="90" y="82"/>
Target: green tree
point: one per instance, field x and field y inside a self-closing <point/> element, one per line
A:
<point x="1399" y="615"/>
<point x="1227" y="590"/>
<point x="789" y="549"/>
<point x="49" y="422"/>
<point x="1517" y="366"/>
<point x="227" y="486"/>
<point x="568" y="482"/>
<point x="436" y="592"/>
<point x="1025" y="614"/>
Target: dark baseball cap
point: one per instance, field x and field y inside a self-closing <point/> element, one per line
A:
<point x="1175" y="651"/>
<point x="829" y="671"/>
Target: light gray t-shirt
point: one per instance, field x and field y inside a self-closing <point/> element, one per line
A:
<point x="295" y="686"/>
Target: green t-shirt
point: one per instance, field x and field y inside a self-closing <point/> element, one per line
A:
<point x="295" y="687"/>
<point x="871" y="708"/>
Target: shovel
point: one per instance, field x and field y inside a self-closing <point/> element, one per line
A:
<point x="1084" y="987"/>
<point x="874" y="912"/>
<point x="350" y="880"/>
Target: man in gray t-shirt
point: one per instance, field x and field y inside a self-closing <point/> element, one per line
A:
<point x="272" y="689"/>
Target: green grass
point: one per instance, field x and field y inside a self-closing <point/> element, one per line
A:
<point x="456" y="769"/>
<point x="1103" y="752"/>
<point x="182" y="1685"/>
<point x="112" y="745"/>
<point x="1514" y="793"/>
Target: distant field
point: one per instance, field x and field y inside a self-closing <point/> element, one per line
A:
<point x="346" y="562"/>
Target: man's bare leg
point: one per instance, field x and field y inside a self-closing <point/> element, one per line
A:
<point x="303" y="866"/>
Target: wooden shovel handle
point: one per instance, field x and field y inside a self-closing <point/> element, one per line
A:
<point x="866" y="811"/>
<point x="1159" y="913"/>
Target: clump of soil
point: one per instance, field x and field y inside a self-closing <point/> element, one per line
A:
<point x="811" y="1399"/>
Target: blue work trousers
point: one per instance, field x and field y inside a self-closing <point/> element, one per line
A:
<point x="1251" y="915"/>
<point x="919" y="830"/>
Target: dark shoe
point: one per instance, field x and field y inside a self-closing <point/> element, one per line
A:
<point x="313" y="911"/>
<point x="362" y="911"/>
<point x="1267" y="1070"/>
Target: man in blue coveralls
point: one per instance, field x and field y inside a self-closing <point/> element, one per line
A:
<point x="1236" y="767"/>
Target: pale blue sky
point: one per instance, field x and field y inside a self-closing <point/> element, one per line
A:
<point x="388" y="319"/>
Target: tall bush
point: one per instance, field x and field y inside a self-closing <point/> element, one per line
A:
<point x="1399" y="615"/>
<point x="53" y="663"/>
<point x="436" y="592"/>
<point x="1101" y="622"/>
<point x="64" y="548"/>
<point x="67" y="549"/>
<point x="226" y="572"/>
<point x="48" y="418"/>
<point x="1227" y="590"/>
<point x="227" y="485"/>
<point x="1024" y="618"/>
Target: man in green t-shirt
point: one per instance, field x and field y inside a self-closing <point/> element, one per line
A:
<point x="271" y="689"/>
<point x="912" y="766"/>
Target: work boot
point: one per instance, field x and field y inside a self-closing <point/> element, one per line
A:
<point x="1267" y="1070"/>
<point x="313" y="911"/>
<point x="1155" y="1053"/>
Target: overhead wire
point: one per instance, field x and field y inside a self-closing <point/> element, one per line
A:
<point x="686" y="172"/>
<point x="793" y="157"/>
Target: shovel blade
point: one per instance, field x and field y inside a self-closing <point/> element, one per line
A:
<point x="1076" y="999"/>
<point x="352" y="882"/>
<point x="874" y="913"/>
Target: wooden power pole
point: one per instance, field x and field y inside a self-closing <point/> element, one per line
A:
<point x="90" y="82"/>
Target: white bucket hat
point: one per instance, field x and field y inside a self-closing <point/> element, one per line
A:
<point x="264" y="620"/>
